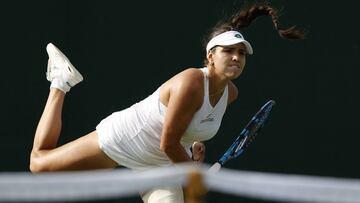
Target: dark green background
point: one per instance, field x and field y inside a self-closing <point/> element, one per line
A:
<point x="125" y="50"/>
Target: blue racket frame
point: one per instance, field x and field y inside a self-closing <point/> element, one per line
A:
<point x="248" y="133"/>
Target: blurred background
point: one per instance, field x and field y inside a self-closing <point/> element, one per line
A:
<point x="126" y="49"/>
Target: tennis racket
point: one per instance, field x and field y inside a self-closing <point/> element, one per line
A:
<point x="246" y="136"/>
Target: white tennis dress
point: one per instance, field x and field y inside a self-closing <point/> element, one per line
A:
<point x="131" y="137"/>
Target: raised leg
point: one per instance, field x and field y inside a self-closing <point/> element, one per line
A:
<point x="49" y="127"/>
<point x="81" y="154"/>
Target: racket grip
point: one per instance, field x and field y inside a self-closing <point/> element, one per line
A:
<point x="215" y="168"/>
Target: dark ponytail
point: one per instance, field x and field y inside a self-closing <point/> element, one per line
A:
<point x="248" y="14"/>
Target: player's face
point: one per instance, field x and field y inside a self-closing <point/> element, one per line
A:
<point x="229" y="60"/>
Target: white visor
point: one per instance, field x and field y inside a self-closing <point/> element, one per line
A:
<point x="229" y="38"/>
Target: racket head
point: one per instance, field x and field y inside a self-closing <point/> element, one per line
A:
<point x="249" y="133"/>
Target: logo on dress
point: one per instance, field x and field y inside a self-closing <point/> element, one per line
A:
<point x="207" y="119"/>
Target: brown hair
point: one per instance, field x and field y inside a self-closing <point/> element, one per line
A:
<point x="249" y="13"/>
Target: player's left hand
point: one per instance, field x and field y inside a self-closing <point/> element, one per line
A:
<point x="198" y="151"/>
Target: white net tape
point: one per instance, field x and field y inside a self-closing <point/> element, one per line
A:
<point x="285" y="188"/>
<point x="92" y="185"/>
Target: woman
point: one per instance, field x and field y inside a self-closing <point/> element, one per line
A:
<point x="159" y="130"/>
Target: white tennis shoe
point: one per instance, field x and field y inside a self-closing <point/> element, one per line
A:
<point x="60" y="68"/>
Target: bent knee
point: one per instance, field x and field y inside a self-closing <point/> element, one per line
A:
<point x="37" y="163"/>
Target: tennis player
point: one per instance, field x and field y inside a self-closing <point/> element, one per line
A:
<point x="159" y="130"/>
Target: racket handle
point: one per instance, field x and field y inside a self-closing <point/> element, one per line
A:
<point x="215" y="168"/>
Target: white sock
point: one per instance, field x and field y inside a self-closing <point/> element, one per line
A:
<point x="59" y="84"/>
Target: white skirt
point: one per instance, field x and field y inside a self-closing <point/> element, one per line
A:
<point x="130" y="147"/>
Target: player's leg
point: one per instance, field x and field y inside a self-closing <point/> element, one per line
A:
<point x="83" y="153"/>
<point x="164" y="194"/>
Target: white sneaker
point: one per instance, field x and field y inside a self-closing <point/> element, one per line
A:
<point x="60" y="68"/>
